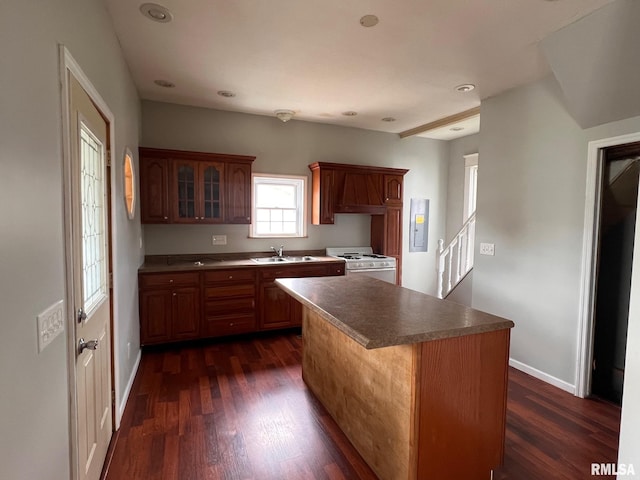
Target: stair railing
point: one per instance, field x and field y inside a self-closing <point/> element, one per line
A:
<point x="456" y="260"/>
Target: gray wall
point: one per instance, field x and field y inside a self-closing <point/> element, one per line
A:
<point x="531" y="195"/>
<point x="290" y="148"/>
<point x="531" y="187"/>
<point x="33" y="405"/>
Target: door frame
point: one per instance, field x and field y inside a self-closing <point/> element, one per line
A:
<point x="590" y="245"/>
<point x="67" y="64"/>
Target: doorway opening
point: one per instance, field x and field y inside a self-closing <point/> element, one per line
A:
<point x="619" y="198"/>
<point x="596" y="262"/>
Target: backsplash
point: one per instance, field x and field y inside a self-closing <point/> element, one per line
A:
<point x="349" y="230"/>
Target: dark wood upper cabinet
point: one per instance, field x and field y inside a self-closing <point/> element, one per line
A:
<point x="342" y="188"/>
<point x="194" y="187"/>
<point x="393" y="189"/>
<point x="154" y="190"/>
<point x="359" y="190"/>
<point x="239" y="193"/>
<point x="323" y="193"/>
<point x="197" y="191"/>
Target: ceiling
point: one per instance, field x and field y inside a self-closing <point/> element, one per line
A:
<point x="316" y="59"/>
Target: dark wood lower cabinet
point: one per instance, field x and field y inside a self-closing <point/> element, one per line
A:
<point x="214" y="303"/>
<point x="155" y="316"/>
<point x="169" y="313"/>
<point x="276" y="307"/>
<point x="230" y="302"/>
<point x="279" y="309"/>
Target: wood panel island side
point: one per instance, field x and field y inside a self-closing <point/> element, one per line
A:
<point x="418" y="384"/>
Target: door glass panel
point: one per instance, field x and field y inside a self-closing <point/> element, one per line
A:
<point x="94" y="266"/>
<point x="211" y="192"/>
<point x="186" y="192"/>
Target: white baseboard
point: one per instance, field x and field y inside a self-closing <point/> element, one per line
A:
<point x="127" y="390"/>
<point x="545" y="377"/>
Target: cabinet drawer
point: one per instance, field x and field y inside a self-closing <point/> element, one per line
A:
<point x="229" y="325"/>
<point x="239" y="275"/>
<point x="224" y="307"/>
<point x="169" y="279"/>
<point x="227" y="291"/>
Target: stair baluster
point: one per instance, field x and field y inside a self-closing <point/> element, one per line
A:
<point x="461" y="247"/>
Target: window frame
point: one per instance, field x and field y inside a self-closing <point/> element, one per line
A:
<point x="298" y="181"/>
<point x="470" y="186"/>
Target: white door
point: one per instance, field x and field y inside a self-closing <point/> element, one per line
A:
<point x="90" y="264"/>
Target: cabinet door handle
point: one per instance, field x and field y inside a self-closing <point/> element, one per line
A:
<point x="174" y="294"/>
<point x="171" y="281"/>
<point x="166" y="218"/>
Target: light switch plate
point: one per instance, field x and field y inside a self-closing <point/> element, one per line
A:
<point x="50" y="324"/>
<point x="487" y="249"/>
<point x="219" y="240"/>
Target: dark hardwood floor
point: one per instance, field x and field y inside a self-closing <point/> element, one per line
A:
<point x="238" y="409"/>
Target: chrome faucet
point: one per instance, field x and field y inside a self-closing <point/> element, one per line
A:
<point x="278" y="251"/>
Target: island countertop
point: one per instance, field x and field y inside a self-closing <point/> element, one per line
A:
<point x="378" y="314"/>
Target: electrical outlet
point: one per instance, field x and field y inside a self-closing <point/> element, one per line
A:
<point x="487" y="249"/>
<point x="50" y="324"/>
<point x="219" y="240"/>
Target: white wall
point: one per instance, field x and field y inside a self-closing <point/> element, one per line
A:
<point x="34" y="442"/>
<point x="290" y="148"/>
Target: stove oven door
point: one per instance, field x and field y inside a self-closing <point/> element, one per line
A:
<point x="385" y="274"/>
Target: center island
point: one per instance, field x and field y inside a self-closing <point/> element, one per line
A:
<point x="417" y="384"/>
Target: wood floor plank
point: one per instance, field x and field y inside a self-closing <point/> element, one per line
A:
<point x="238" y="410"/>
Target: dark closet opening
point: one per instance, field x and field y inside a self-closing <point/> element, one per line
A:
<point x="619" y="198"/>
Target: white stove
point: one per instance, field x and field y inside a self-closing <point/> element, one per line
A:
<point x="362" y="261"/>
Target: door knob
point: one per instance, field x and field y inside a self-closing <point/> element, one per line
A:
<point x="90" y="345"/>
<point x="81" y="315"/>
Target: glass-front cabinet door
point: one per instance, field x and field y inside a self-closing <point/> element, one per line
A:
<point x="211" y="184"/>
<point x="185" y="206"/>
<point x="198" y="191"/>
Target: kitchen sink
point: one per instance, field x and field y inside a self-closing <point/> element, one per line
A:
<point x="283" y="259"/>
<point x="306" y="258"/>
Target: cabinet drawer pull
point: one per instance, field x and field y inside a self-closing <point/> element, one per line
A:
<point x="231" y="324"/>
<point x="174" y="294"/>
<point x="166" y="218"/>
<point x="171" y="280"/>
<point x="230" y="277"/>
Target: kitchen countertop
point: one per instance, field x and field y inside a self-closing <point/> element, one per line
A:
<point x="183" y="263"/>
<point x="378" y="314"/>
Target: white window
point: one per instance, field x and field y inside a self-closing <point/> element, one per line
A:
<point x="470" y="185"/>
<point x="278" y="206"/>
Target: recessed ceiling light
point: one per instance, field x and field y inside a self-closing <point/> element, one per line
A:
<point x="226" y="93"/>
<point x="369" y="21"/>
<point x="456" y="129"/>
<point x="388" y="119"/>
<point x="465" y="87"/>
<point x="350" y="113"/>
<point x="156" y="12"/>
<point x="164" y="83"/>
